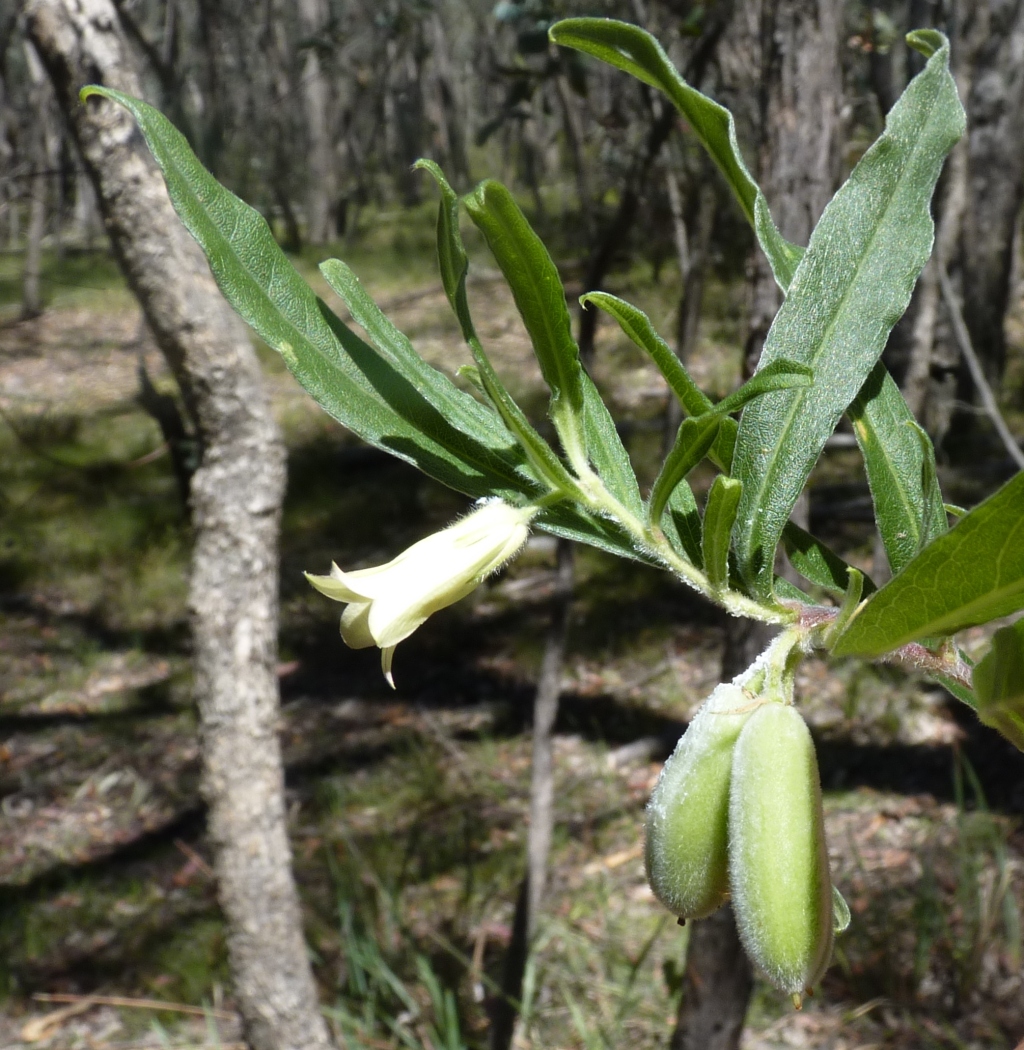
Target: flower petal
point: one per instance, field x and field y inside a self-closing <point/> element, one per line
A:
<point x="337" y="586"/>
<point x="355" y="626"/>
<point x="394" y="617"/>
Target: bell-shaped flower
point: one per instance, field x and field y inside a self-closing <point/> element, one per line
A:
<point x="386" y="603"/>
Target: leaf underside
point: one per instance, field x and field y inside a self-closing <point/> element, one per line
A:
<point x="852" y="286"/>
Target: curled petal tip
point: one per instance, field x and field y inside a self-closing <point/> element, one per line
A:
<point x="387" y="654"/>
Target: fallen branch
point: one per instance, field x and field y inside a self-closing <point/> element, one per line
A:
<point x="988" y="400"/>
<point x="133" y="1004"/>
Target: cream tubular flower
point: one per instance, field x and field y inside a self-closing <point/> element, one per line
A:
<point x="386" y="603"/>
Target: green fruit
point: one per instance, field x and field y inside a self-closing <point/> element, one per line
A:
<point x="687" y="817"/>
<point x="778" y="860"/>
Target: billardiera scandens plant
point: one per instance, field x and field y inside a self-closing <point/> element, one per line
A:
<point x="741" y="791"/>
<point x="386" y="603"/>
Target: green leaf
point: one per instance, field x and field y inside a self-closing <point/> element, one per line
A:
<point x="929" y="485"/>
<point x="790" y="592"/>
<point x="849" y="606"/>
<point x="817" y="562"/>
<point x="777" y="375"/>
<point x="395" y="347"/>
<point x="999" y="684"/>
<point x="682" y="525"/>
<point x="572" y="522"/>
<point x="695" y="437"/>
<point x="540" y="299"/>
<point x="897" y="461"/>
<point x="388" y="400"/>
<point x="719" y="516"/>
<point x="451" y="255"/>
<point x="970" y="575"/>
<point x="635" y="51"/>
<point x="454" y="265"/>
<point x="955" y="688"/>
<point x="607" y="452"/>
<point x="637" y="326"/>
<point x="850" y="289"/>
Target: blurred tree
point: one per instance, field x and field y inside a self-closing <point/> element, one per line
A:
<point x="995" y="173"/>
<point x="791" y="53"/>
<point x="236" y="498"/>
<point x="320" y="191"/>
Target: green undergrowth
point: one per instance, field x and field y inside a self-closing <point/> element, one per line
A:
<point x="75" y="278"/>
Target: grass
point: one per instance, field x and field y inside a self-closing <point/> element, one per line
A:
<point x="77" y="278"/>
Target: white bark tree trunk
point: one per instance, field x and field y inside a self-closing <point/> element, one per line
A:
<point x="236" y="499"/>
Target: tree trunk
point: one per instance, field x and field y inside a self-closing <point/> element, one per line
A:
<point x="38" y="185"/>
<point x="995" y="175"/>
<point x="719" y="979"/>
<point x="31" y="292"/>
<point x="236" y="498"/>
<point x="801" y="85"/>
<point x="320" y="190"/>
<point x="542" y="806"/>
<point x="798" y="158"/>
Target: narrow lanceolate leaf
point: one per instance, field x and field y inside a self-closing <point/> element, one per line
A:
<point x="929" y="485"/>
<point x="695" y="437"/>
<point x="634" y="50"/>
<point x="607" y="452"/>
<point x="956" y="688"/>
<point x="789" y="592"/>
<point x="540" y="299"/>
<point x="682" y="525"/>
<point x="817" y="562"/>
<point x="395" y="347"/>
<point x="850" y="289"/>
<point x="719" y="516"/>
<point x="451" y="255"/>
<point x="454" y="265"/>
<point x="970" y="575"/>
<point x="908" y="504"/>
<point x="637" y="326"/>
<point x="387" y="399"/>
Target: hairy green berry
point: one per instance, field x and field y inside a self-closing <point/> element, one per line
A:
<point x="687" y="817"/>
<point x="778" y="860"/>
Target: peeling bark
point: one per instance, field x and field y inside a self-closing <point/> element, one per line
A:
<point x="236" y="498"/>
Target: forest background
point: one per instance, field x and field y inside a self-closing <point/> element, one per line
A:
<point x="408" y="813"/>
